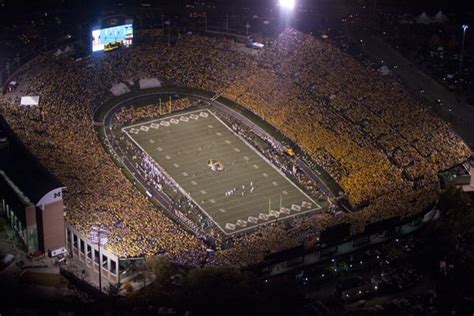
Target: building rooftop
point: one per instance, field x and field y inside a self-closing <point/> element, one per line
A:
<point x="23" y="169"/>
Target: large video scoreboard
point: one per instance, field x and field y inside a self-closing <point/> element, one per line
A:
<point x="112" y="37"/>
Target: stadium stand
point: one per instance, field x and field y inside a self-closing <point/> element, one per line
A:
<point x="384" y="148"/>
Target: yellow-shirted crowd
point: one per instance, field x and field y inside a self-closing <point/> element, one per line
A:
<point x="383" y="146"/>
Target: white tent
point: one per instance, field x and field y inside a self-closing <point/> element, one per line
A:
<point x="149" y="83"/>
<point x="119" y="89"/>
<point x="440" y="17"/>
<point x="423" y="19"/>
<point x="29" y="101"/>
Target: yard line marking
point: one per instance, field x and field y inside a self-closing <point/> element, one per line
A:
<point x="274" y="213"/>
<point x="242" y="223"/>
<point x="285" y="210"/>
<point x="252" y="219"/>
<point x="230" y="226"/>
<point x="295" y="207"/>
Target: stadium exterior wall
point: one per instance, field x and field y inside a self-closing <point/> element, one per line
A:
<point x="85" y="254"/>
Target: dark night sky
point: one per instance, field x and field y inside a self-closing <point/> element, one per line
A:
<point x="11" y="11"/>
<point x="97" y="4"/>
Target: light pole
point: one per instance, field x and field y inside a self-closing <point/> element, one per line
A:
<point x="99" y="236"/>
<point x="247" y="26"/>
<point x="464" y="28"/>
<point x="287" y="6"/>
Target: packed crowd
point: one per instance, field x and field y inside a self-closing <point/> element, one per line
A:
<point x="132" y="114"/>
<point x="381" y="144"/>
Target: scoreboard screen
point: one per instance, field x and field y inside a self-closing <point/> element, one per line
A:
<point x="112" y="37"/>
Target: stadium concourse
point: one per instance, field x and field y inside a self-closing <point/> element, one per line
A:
<point x="382" y="146"/>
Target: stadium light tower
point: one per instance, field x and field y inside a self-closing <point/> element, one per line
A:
<point x="287" y="4"/>
<point x="98" y="235"/>
<point x="464" y="29"/>
<point x="287" y="7"/>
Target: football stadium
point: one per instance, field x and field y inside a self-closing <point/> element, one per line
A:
<point x="236" y="188"/>
<point x="210" y="152"/>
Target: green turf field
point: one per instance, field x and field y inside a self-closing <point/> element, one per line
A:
<point x="183" y="145"/>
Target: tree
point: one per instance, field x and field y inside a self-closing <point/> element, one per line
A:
<point x="163" y="270"/>
<point x="457" y="220"/>
<point x="162" y="290"/>
<point x="228" y="291"/>
<point x="456" y="209"/>
<point x="128" y="288"/>
<point x="218" y="291"/>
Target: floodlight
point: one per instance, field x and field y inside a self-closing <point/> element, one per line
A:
<point x="287" y="4"/>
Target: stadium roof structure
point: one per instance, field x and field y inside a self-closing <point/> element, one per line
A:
<point x="23" y="169"/>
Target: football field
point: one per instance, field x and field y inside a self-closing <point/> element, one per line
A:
<point x="248" y="192"/>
